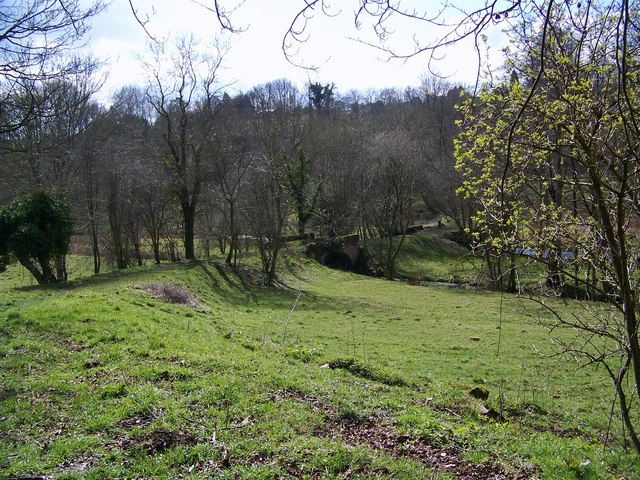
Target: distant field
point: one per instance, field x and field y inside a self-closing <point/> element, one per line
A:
<point x="430" y="257"/>
<point x="333" y="375"/>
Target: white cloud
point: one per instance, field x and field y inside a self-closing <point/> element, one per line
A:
<point x="256" y="55"/>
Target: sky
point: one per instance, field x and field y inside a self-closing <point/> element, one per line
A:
<point x="255" y="55"/>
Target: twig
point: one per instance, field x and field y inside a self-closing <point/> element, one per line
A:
<point x="286" y="323"/>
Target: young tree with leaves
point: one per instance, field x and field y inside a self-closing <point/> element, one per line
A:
<point x="567" y="120"/>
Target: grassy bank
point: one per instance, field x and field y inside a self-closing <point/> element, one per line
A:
<point x="333" y="375"/>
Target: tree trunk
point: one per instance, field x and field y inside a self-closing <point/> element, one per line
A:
<point x="390" y="268"/>
<point x="95" y="247"/>
<point x="301" y="225"/>
<point x="155" y="246"/>
<point x="624" y="406"/>
<point x="93" y="233"/>
<point x="512" y="284"/>
<point x="30" y="266"/>
<point x="233" y="237"/>
<point x="115" y="225"/>
<point x="47" y="271"/>
<point x="631" y="324"/>
<point x="555" y="279"/>
<point x="616" y="239"/>
<point x="271" y="276"/>
<point x="61" y="268"/>
<point x="189" y="214"/>
<point x="494" y="270"/>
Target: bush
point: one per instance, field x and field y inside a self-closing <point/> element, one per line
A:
<point x="460" y="237"/>
<point x="36" y="229"/>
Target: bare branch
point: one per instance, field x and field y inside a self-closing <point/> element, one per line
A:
<point x="222" y="15"/>
<point x="469" y="24"/>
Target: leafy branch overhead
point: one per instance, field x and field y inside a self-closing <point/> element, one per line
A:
<point x="551" y="155"/>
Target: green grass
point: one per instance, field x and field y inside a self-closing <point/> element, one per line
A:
<point x="98" y="379"/>
<point x="429" y="257"/>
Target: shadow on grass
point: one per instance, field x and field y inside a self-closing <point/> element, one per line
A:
<point x="101" y="278"/>
<point x="228" y="279"/>
<point x="239" y="286"/>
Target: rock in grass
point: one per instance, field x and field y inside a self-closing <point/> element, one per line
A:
<point x="489" y="412"/>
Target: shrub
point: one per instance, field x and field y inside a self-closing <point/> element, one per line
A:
<point x="36" y="229"/>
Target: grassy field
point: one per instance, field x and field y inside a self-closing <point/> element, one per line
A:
<point x="332" y="375"/>
<point x="430" y="257"/>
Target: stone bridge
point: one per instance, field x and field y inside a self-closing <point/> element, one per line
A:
<point x="344" y="253"/>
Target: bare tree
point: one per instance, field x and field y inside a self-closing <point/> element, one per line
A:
<point x="232" y="154"/>
<point x="40" y="153"/>
<point x="336" y="145"/>
<point x="266" y="212"/>
<point x="155" y="202"/>
<point x="45" y="151"/>
<point x="35" y="37"/>
<point x="390" y="199"/>
<point x="278" y="125"/>
<point x="182" y="89"/>
<point x="218" y="9"/>
<point x="432" y="121"/>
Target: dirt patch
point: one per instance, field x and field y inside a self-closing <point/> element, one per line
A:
<point x="7" y="394"/>
<point x="121" y="440"/>
<point x="316" y="404"/>
<point x="378" y="434"/>
<point x="444" y="459"/>
<point x="139" y="421"/>
<point x="170" y="293"/>
<point x="71" y="346"/>
<point x="89" y="364"/>
<point x="78" y="465"/>
<point x="160" y="440"/>
<point x="299" y="467"/>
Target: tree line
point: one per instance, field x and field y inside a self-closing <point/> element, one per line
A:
<point x="177" y="167"/>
